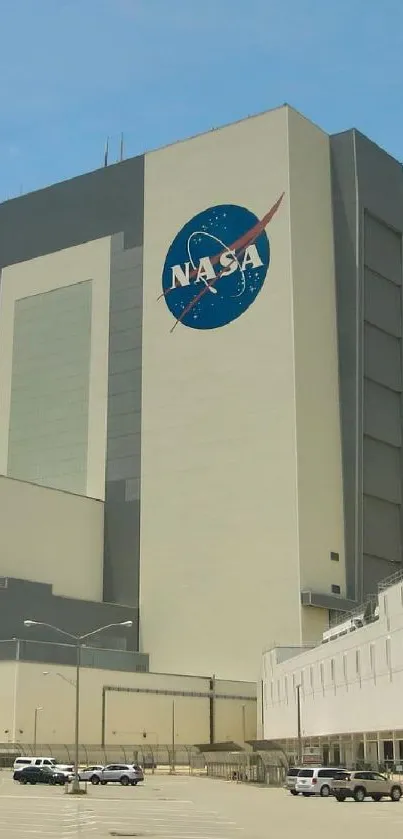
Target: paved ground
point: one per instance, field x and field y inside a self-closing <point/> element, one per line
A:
<point x="188" y="808"/>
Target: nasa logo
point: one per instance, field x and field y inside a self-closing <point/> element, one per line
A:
<point x="216" y="266"/>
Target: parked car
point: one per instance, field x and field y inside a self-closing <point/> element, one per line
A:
<point x="360" y="785"/>
<point x="40" y="775"/>
<point x="51" y="762"/>
<point x="316" y="780"/>
<point x="22" y="761"/>
<point x="291" y="779"/>
<point x="87" y="773"/>
<point x="123" y="773"/>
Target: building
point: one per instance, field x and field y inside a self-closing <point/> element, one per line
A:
<point x="349" y="687"/>
<point x="200" y="368"/>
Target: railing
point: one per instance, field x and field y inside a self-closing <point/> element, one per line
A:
<point x="391" y="581"/>
<point x="243" y="770"/>
<point x="368" y="607"/>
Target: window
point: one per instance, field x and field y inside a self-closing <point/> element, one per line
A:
<point x="388" y="657"/>
<point x="322" y="677"/>
<point x="345" y="672"/>
<point x="311" y="678"/>
<point x="305" y="773"/>
<point x="372" y="661"/>
<point x="272" y="692"/>
<point x="358" y="664"/>
<point x="332" y="670"/>
<point x="335" y="589"/>
<point x="334" y="556"/>
<point x="286" y="689"/>
<point x="327" y="773"/>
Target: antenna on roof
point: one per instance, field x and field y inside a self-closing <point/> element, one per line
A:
<point x="122" y="147"/>
<point x="106" y="152"/>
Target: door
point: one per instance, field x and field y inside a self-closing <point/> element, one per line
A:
<point x="378" y="783"/>
<point x="111" y="772"/>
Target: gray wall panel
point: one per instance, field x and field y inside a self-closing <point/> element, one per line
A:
<point x="380" y="182"/>
<point x="382" y="471"/>
<point x="382" y="249"/>
<point x="89" y="207"/>
<point x="23" y="598"/>
<point x="382" y="303"/>
<point x="348" y="323"/>
<point x="108" y="202"/>
<point x="50" y="383"/>
<point x="382" y="531"/>
<point x="382" y="413"/>
<point x="376" y="570"/>
<point x="122" y="509"/>
<point x="382" y="358"/>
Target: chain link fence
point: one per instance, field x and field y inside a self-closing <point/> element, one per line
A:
<point x="151" y="757"/>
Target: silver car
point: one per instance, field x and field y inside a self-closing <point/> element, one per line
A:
<point x="87" y="773"/>
<point x="122" y="773"/>
<point x="316" y="781"/>
<point x="291" y="779"/>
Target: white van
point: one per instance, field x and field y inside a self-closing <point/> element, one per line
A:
<point x="22" y="761"/>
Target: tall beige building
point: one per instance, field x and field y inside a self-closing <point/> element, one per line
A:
<point x="200" y="368"/>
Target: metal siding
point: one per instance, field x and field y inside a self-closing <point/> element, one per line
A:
<point x="102" y="203"/>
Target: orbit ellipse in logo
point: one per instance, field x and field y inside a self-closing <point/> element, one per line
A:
<point x="216" y="266"/>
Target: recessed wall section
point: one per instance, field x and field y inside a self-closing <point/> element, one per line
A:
<point x="382" y="471"/>
<point x="382" y="249"/>
<point x="382" y="357"/>
<point x="48" y="431"/>
<point x="382" y="303"/>
<point x="382" y="529"/>
<point x="382" y="413"/>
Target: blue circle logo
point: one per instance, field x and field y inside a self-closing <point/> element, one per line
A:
<point x="216" y="266"/>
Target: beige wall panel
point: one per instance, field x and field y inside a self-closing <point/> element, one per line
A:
<point x="90" y="261"/>
<point x="320" y="487"/>
<point x="51" y="537"/>
<point x="235" y="720"/>
<point x="9" y="681"/>
<point x="126" y="714"/>
<point x="144" y="713"/>
<point x="220" y="576"/>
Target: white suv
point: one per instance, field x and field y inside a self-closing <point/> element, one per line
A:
<point x="123" y="773"/>
<point x="316" y="780"/>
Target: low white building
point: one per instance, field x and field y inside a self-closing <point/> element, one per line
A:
<point x="350" y="686"/>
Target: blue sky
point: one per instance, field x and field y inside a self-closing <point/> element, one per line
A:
<point x="75" y="71"/>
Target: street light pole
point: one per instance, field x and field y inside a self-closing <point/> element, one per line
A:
<point x="78" y="641"/>
<point x="173" y="766"/>
<point x="37" y="709"/>
<point x="298" y="690"/>
<point x="76" y="784"/>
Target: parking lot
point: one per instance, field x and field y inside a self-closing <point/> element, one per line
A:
<point x="167" y="807"/>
